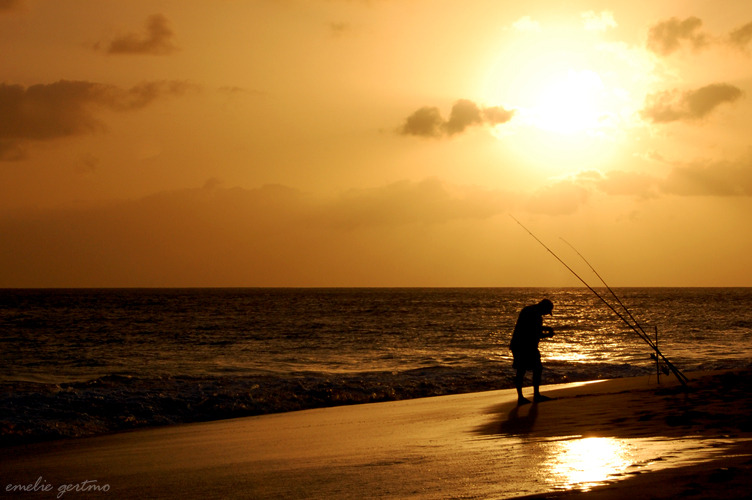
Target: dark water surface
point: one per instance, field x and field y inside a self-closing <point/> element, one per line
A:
<point x="77" y="362"/>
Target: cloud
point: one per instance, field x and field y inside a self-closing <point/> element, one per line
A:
<point x="234" y="90"/>
<point x="270" y="236"/>
<point x="425" y="122"/>
<point x="598" y="22"/>
<point x="741" y="36"/>
<point x="157" y="40"/>
<point x="65" y="108"/>
<point x="145" y="93"/>
<point x="465" y="113"/>
<point x="703" y="178"/>
<point x="526" y="24"/>
<point x="48" y="111"/>
<point x="426" y="202"/>
<point x="338" y="29"/>
<point x="667" y="36"/>
<point x="428" y="122"/>
<point x="279" y="236"/>
<point x="496" y="115"/>
<point x="696" y="178"/>
<point x="670" y="106"/>
<point x="216" y="236"/>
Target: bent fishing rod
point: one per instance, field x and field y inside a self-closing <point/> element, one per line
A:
<point x="680" y="376"/>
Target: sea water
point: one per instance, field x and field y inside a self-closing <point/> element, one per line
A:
<point x="78" y="362"/>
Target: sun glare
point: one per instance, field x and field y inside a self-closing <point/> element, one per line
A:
<point x="555" y="83"/>
<point x="569" y="104"/>
<point x="571" y="93"/>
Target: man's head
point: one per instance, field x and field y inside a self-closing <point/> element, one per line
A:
<point x="546" y="306"/>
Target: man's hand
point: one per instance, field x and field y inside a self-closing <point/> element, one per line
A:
<point x="547" y="332"/>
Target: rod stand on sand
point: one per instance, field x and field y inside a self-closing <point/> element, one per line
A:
<point x="637" y="329"/>
<point x="659" y="368"/>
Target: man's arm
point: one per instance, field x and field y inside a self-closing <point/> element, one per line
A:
<point x="547" y="332"/>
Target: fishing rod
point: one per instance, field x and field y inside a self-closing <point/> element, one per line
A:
<point x="640" y="334"/>
<point x="645" y="336"/>
<point x="606" y="285"/>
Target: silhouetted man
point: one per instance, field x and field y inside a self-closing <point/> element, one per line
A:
<point x="527" y="332"/>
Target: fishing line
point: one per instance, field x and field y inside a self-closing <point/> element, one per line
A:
<point x="680" y="376"/>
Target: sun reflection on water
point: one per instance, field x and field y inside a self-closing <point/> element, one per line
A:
<point x="585" y="463"/>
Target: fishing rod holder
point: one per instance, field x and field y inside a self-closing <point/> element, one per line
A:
<point x="660" y="365"/>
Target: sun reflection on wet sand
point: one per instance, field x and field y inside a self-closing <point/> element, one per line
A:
<point x="533" y="465"/>
<point x="584" y="463"/>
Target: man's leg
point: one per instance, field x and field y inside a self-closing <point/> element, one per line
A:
<point x="521" y="400"/>
<point x="537" y="396"/>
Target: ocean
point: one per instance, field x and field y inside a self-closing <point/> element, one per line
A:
<point x="87" y="361"/>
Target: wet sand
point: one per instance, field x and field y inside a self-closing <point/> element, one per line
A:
<point x="624" y="438"/>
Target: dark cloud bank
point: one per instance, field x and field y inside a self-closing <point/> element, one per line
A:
<point x="279" y="236"/>
<point x="66" y="108"/>
<point x="213" y="236"/>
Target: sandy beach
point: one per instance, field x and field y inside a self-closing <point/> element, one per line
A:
<point x="621" y="438"/>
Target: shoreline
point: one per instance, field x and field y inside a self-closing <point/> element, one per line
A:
<point x="38" y="412"/>
<point x="475" y="444"/>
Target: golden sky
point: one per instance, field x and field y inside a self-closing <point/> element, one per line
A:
<point x="374" y="142"/>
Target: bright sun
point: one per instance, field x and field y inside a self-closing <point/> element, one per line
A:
<point x="572" y="95"/>
<point x="555" y="82"/>
<point x="569" y="104"/>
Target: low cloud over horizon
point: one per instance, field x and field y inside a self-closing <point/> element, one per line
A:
<point x="214" y="236"/>
<point x="280" y="236"/>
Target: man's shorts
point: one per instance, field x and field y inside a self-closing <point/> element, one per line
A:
<point x="527" y="360"/>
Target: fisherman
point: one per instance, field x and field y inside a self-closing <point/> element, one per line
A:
<point x="527" y="332"/>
